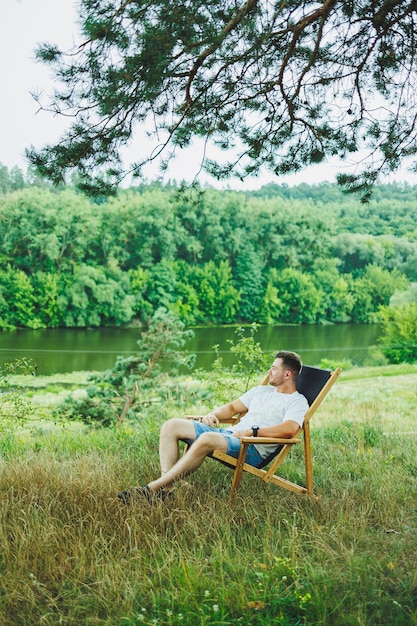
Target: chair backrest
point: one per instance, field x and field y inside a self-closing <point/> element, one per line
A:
<point x="311" y="381"/>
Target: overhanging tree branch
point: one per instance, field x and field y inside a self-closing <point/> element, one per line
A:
<point x="285" y="84"/>
<point x="233" y="23"/>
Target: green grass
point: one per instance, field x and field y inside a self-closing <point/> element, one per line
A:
<point x="72" y="554"/>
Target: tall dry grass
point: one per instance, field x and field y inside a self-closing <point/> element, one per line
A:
<point x="71" y="553"/>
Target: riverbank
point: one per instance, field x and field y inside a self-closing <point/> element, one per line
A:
<point x="390" y="387"/>
<point x="72" y="554"/>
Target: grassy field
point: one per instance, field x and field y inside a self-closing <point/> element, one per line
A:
<point x="72" y="554"/>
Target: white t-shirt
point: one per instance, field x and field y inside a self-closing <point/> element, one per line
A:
<point x="269" y="407"/>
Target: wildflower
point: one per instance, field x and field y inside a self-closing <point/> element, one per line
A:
<point x="206" y="593"/>
<point x="215" y="608"/>
<point x="256" y="604"/>
<point x="303" y="599"/>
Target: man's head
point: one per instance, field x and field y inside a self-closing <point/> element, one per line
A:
<point x="291" y="361"/>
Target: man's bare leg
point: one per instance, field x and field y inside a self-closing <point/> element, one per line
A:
<point x="172" y="432"/>
<point x="192" y="459"/>
<point x="173" y="467"/>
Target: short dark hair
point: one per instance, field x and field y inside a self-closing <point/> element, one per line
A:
<point x="291" y="361"/>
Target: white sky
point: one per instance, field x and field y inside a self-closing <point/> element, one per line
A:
<point x="24" y="24"/>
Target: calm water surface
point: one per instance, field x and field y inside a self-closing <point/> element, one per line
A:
<point x="67" y="350"/>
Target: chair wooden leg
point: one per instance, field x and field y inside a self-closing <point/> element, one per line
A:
<point x="308" y="460"/>
<point x="237" y="476"/>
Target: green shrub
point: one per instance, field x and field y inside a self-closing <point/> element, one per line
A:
<point x="399" y="333"/>
<point x="115" y="395"/>
<point x="15" y="408"/>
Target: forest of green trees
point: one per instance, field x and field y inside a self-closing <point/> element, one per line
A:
<point x="304" y="254"/>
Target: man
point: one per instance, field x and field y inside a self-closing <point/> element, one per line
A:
<point x="276" y="410"/>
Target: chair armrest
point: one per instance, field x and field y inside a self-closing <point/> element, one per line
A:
<point x="271" y="440"/>
<point x="232" y="420"/>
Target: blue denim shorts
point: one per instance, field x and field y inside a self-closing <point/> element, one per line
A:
<point x="233" y="443"/>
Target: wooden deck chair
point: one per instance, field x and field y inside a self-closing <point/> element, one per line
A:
<point x="314" y="383"/>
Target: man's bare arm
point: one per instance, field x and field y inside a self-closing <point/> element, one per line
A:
<point x="286" y="430"/>
<point x="224" y="413"/>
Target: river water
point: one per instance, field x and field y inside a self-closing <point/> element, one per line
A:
<point x="67" y="350"/>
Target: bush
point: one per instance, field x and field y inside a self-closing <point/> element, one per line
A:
<point x="114" y="394"/>
<point x="399" y="333"/>
<point x="15" y="409"/>
<point x="251" y="363"/>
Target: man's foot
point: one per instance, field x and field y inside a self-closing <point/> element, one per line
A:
<point x="145" y="493"/>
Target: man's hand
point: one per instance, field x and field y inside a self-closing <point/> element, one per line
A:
<point x="211" y="420"/>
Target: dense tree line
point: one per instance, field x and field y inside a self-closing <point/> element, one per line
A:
<point x="15" y="178"/>
<point x="281" y="254"/>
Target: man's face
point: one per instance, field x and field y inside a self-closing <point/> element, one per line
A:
<point x="277" y="373"/>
